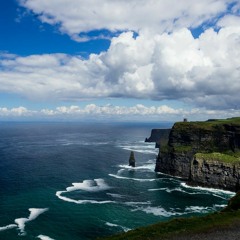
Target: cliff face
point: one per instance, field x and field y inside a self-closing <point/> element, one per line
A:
<point x="159" y="136"/>
<point x="204" y="153"/>
<point x="212" y="173"/>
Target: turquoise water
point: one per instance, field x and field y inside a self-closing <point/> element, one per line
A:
<point x="71" y="181"/>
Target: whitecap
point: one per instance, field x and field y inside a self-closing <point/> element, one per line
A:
<point x="197" y="209"/>
<point x="220" y="205"/>
<point x="34" y="213"/>
<point x="157" y="211"/>
<point x="95" y="185"/>
<point x="115" y="195"/>
<point x="148" y="166"/>
<point x="43" y="237"/>
<point x="214" y="190"/>
<point x="147" y="148"/>
<point x="137" y="203"/>
<point x="158" y="189"/>
<point x="125" y="229"/>
<point x="140" y="150"/>
<point x="134" y="179"/>
<point x="10" y="226"/>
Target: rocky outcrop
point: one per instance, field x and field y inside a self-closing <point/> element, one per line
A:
<point x="159" y="136"/>
<point x="212" y="173"/>
<point x="132" y="161"/>
<point x="204" y="153"/>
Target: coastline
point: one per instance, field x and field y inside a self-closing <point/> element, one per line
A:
<point x="206" y="154"/>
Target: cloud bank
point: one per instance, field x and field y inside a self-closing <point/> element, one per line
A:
<point x="77" y="17"/>
<point x="204" y="71"/>
<point x="138" y="112"/>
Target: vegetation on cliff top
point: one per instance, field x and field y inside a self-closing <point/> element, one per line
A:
<point x="208" y="125"/>
<point x="220" y="157"/>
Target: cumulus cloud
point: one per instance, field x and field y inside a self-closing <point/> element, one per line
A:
<point x="15" y="112"/>
<point x="204" y="71"/>
<point x="77" y="17"/>
<point x="138" y="112"/>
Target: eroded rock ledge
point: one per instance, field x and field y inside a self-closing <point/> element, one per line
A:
<point x="203" y="153"/>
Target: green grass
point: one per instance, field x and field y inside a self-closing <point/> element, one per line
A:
<point x="183" y="148"/>
<point x="220" y="157"/>
<point x="207" y="125"/>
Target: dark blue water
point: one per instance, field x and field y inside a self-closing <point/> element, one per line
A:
<point x="71" y="181"/>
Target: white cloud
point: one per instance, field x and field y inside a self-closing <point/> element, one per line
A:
<point x="138" y="112"/>
<point x="15" y="112"/>
<point x="204" y="71"/>
<point x="229" y="20"/>
<point x="81" y="16"/>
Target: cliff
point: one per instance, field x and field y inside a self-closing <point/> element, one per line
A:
<point x="159" y="136"/>
<point x="204" y="153"/>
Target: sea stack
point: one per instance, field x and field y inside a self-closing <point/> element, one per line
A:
<point x="132" y="159"/>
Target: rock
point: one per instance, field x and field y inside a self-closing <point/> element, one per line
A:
<point x="132" y="159"/>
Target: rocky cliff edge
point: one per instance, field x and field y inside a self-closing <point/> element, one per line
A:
<point x="204" y="153"/>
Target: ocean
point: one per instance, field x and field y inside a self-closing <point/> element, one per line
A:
<point x="71" y="181"/>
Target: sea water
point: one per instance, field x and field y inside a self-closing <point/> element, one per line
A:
<point x="68" y="181"/>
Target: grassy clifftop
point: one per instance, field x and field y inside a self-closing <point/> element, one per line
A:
<point x="208" y="125"/>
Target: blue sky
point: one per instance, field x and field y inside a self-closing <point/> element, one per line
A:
<point x="147" y="60"/>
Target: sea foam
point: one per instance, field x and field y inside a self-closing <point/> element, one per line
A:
<point x="213" y="190"/>
<point x="157" y="211"/>
<point x="95" y="185"/>
<point x="134" y="179"/>
<point x="34" y="213"/>
<point x="125" y="229"/>
<point x="149" y="166"/>
<point x="43" y="237"/>
<point x="10" y="226"/>
<point x="21" y="222"/>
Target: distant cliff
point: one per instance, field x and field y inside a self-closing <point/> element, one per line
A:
<point x="159" y="136"/>
<point x="204" y="153"/>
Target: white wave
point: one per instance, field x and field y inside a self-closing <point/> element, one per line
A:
<point x="151" y="161"/>
<point x="218" y="196"/>
<point x="147" y="148"/>
<point x="167" y="190"/>
<point x="120" y="171"/>
<point x="140" y="150"/>
<point x="134" y="179"/>
<point x="220" y="205"/>
<point x="95" y="185"/>
<point x="198" y="209"/>
<point x="125" y="229"/>
<point x="43" y="237"/>
<point x="145" y="166"/>
<point x="157" y="211"/>
<point x="214" y="190"/>
<point x="115" y="195"/>
<point x="34" y="213"/>
<point x="157" y="189"/>
<point x="137" y="203"/>
<point x="66" y="142"/>
<point x="66" y="199"/>
<point x="10" y="226"/>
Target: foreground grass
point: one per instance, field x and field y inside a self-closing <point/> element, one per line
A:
<point x="186" y="226"/>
